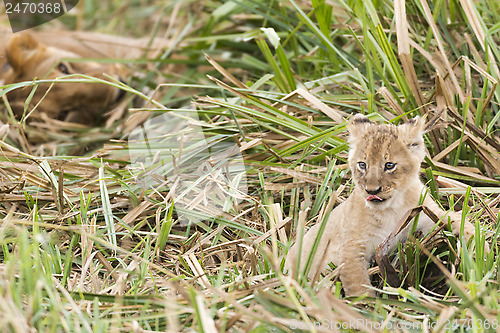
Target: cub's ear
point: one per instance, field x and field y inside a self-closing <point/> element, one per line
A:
<point x="357" y="126"/>
<point x="20" y="49"/>
<point x="412" y="135"/>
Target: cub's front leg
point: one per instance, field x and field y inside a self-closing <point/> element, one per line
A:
<point x="354" y="272"/>
<point x="320" y="259"/>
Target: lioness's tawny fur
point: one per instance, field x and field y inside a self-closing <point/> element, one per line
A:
<point x="385" y="162"/>
<point x="24" y="58"/>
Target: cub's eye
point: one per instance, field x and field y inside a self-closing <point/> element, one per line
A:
<point x="62" y="68"/>
<point x="389" y="166"/>
<point x="362" y="165"/>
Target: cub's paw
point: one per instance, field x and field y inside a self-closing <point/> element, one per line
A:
<point x="358" y="290"/>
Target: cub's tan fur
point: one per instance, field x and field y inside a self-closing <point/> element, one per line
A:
<point x="385" y="162"/>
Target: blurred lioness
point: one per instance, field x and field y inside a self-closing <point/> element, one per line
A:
<point x="24" y="58"/>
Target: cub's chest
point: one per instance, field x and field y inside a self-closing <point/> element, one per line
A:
<point x="381" y="224"/>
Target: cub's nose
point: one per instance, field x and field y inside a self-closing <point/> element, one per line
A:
<point x="373" y="192"/>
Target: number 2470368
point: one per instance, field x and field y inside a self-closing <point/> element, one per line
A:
<point x="33" y="8"/>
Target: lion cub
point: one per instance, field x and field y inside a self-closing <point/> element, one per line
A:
<point x="385" y="162"/>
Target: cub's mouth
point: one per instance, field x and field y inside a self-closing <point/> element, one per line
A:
<point x="374" y="198"/>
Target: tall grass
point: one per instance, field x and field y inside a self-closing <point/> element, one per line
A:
<point x="85" y="248"/>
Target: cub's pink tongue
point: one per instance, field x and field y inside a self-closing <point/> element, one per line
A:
<point x="374" y="197"/>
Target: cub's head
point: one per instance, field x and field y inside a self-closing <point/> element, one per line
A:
<point x="27" y="59"/>
<point x="384" y="158"/>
